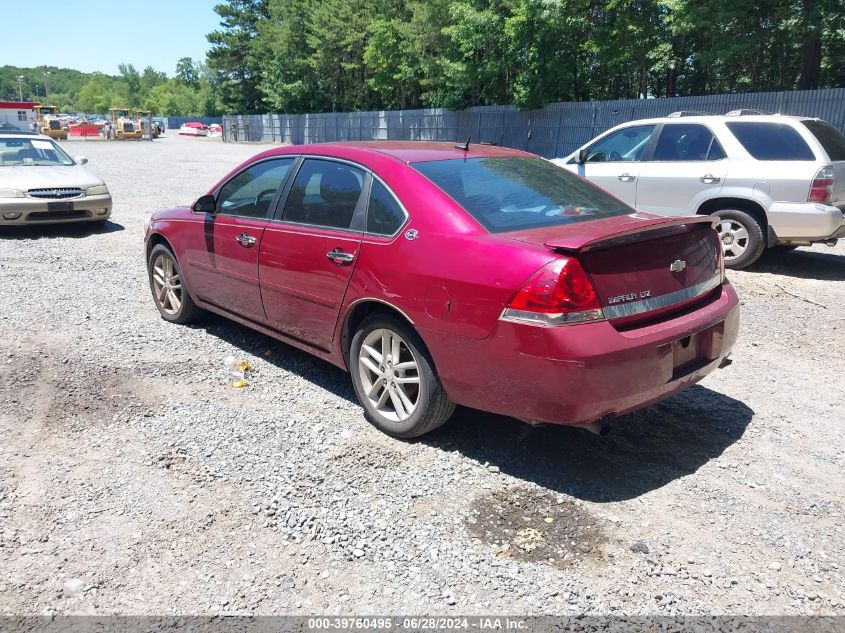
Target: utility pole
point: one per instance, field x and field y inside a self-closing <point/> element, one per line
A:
<point x="20" y="89"/>
<point x="46" y="74"/>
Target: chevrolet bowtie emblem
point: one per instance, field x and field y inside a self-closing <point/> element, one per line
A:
<point x="677" y="266"/>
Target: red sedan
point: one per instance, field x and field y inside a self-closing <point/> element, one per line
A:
<point x="441" y="275"/>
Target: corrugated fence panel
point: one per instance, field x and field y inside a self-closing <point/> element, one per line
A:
<point x="556" y="130"/>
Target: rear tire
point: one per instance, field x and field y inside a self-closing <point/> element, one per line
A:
<point x="170" y="294"/>
<point x="395" y="379"/>
<point x="743" y="240"/>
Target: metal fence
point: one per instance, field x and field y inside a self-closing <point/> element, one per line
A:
<point x="556" y="130"/>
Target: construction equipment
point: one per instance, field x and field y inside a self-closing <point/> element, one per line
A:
<point x="144" y="117"/>
<point x="125" y="124"/>
<point x="47" y="119"/>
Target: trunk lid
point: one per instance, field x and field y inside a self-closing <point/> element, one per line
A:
<point x="641" y="265"/>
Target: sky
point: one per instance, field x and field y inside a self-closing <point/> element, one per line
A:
<point x="97" y="35"/>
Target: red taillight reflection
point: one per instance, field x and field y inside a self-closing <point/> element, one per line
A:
<point x="560" y="286"/>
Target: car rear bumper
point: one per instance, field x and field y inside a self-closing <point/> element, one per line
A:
<point x="40" y="211"/>
<point x="578" y="374"/>
<point x="806" y="222"/>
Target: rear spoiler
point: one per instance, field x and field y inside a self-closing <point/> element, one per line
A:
<point x="625" y="232"/>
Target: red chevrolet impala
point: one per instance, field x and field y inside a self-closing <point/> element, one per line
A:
<point x="442" y="275"/>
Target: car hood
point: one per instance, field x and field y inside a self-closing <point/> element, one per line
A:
<point x="27" y="177"/>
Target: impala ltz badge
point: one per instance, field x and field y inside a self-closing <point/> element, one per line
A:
<point x="631" y="296"/>
<point x="677" y="266"/>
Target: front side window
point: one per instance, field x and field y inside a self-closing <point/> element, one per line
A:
<point x="687" y="142"/>
<point x="251" y="192"/>
<point x="771" y="141"/>
<point x="384" y="215"/>
<point x="622" y="146"/>
<point x="514" y="193"/>
<point x="325" y="193"/>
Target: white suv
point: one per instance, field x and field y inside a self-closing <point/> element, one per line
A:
<point x="773" y="180"/>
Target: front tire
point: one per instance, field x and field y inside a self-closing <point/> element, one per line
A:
<point x="395" y="379"/>
<point x="171" y="297"/>
<point x="743" y="241"/>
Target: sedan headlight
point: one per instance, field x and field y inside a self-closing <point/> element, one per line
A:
<point x="11" y="193"/>
<point x="97" y="190"/>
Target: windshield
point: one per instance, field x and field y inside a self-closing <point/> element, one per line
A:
<point x="510" y="194"/>
<point x="15" y="152"/>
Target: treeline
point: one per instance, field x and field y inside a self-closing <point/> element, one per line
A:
<point x="335" y="55"/>
<point x="189" y="92"/>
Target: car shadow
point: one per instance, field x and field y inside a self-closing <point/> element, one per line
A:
<point x="36" y="232"/>
<point x="802" y="264"/>
<point x="645" y="451"/>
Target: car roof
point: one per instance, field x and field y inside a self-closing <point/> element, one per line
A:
<point x="22" y="134"/>
<point x="704" y="118"/>
<point x="405" y="151"/>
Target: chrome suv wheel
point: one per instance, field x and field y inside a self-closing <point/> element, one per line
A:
<point x="742" y="238"/>
<point x="395" y="380"/>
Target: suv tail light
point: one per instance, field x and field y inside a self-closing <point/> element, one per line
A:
<point x="560" y="293"/>
<point x="822" y="188"/>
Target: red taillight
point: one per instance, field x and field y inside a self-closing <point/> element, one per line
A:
<point x="560" y="287"/>
<point x="822" y="188"/>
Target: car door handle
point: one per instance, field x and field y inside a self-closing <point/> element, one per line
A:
<point x="246" y="240"/>
<point x="710" y="179"/>
<point x="339" y="257"/>
<point x="626" y="177"/>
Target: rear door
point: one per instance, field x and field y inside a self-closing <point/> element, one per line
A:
<point x="224" y="270"/>
<point x="307" y="256"/>
<point x="686" y="167"/>
<point x="613" y="162"/>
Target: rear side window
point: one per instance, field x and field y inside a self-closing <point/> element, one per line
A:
<point x="831" y="139"/>
<point x="384" y="215"/>
<point x="686" y="142"/>
<point x="324" y="193"/>
<point x="514" y="193"/>
<point x="771" y="141"/>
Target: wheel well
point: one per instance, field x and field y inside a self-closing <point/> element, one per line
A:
<point x="741" y="204"/>
<point x="357" y="315"/>
<point x="155" y="240"/>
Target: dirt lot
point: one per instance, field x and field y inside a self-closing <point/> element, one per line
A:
<point x="128" y="466"/>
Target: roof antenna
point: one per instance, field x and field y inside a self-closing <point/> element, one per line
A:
<point x="465" y="146"/>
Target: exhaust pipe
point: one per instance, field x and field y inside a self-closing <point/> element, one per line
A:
<point x="831" y="242"/>
<point x="599" y="427"/>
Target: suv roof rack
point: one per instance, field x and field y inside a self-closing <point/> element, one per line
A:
<point x="746" y="112"/>
<point x="681" y="113"/>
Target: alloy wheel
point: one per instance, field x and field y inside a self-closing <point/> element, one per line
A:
<point x="734" y="238"/>
<point x="390" y="374"/>
<point x="167" y="284"/>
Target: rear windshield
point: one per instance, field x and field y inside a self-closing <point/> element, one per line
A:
<point x="831" y="139"/>
<point x="514" y="193"/>
<point x="771" y="141"/>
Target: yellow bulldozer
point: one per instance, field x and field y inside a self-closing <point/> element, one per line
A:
<point x="144" y="118"/>
<point x="47" y="119"/>
<point x="125" y="125"/>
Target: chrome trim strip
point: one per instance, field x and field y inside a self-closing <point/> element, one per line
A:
<point x="550" y="320"/>
<point x="662" y="301"/>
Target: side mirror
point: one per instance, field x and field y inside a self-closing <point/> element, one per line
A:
<point x="205" y="204"/>
<point x="81" y="160"/>
<point x="582" y="156"/>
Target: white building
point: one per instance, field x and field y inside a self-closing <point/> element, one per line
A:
<point x="19" y="114"/>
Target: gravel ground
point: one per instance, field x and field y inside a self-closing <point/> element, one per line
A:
<point x="134" y="481"/>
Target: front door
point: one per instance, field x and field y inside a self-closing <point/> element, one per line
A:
<point x="225" y="272"/>
<point x="307" y="257"/>
<point x="613" y="162"/>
